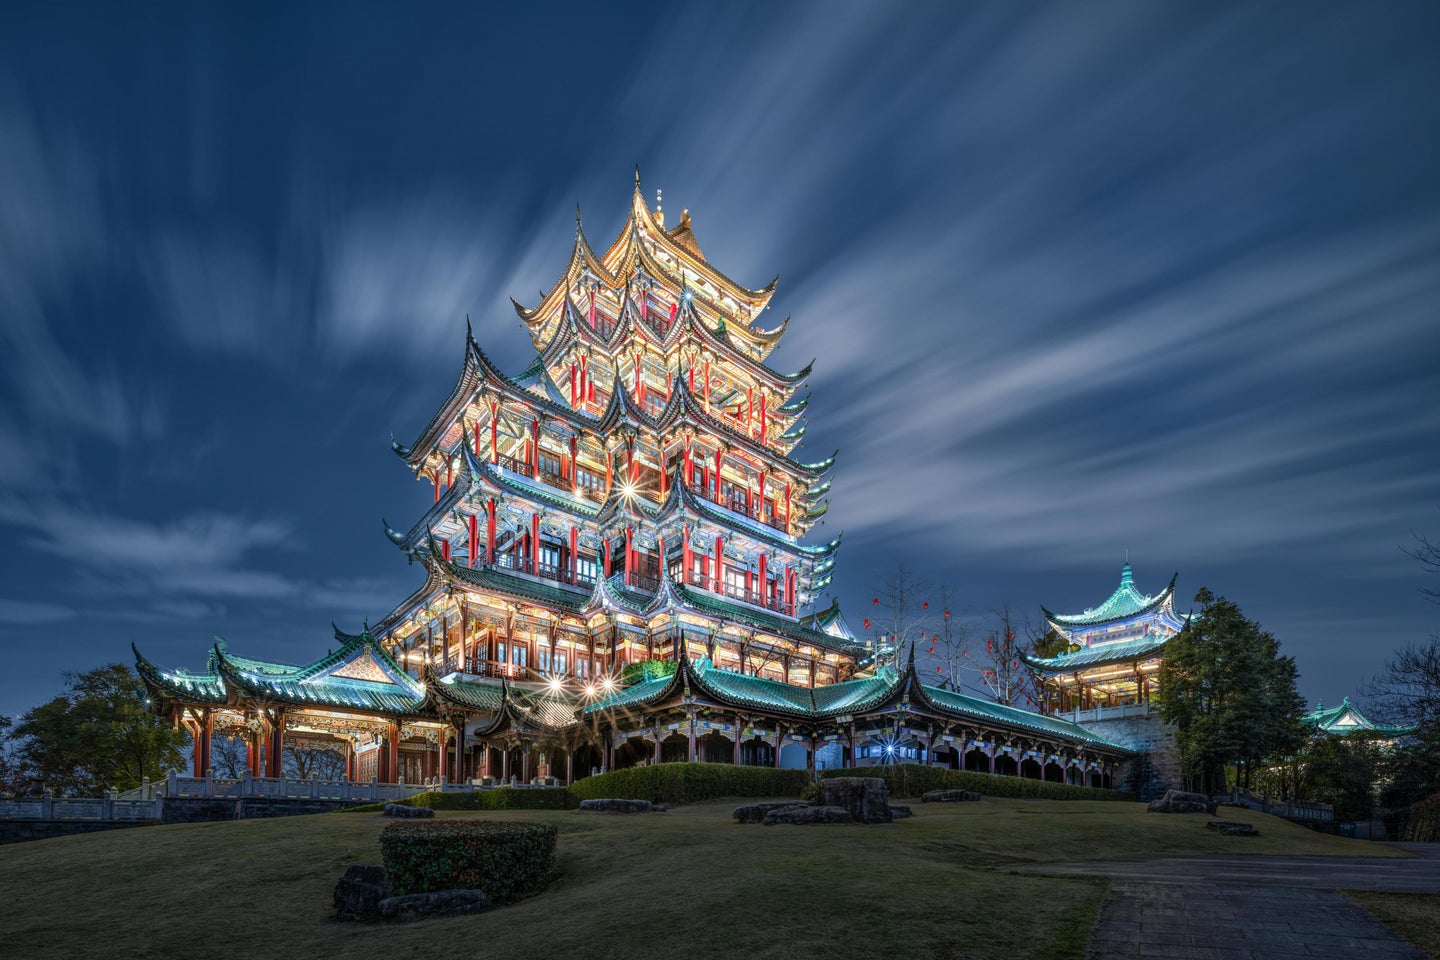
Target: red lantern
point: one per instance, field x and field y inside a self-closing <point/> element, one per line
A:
<point x="1012" y="636"/>
<point x="876" y="601"/>
<point x="947" y="613"/>
<point x="932" y="649"/>
<point x="867" y="623"/>
<point x="925" y="605"/>
<point x="937" y="669"/>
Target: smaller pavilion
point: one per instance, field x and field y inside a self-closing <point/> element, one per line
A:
<point x="1347" y="721"/>
<point x="1116" y="649"/>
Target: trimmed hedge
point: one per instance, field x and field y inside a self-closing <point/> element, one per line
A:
<point x="494" y="798"/>
<point x="506" y="860"/>
<point x="497" y="798"/>
<point x="912" y="779"/>
<point x="677" y="783"/>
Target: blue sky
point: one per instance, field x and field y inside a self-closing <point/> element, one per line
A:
<point x="1080" y="280"/>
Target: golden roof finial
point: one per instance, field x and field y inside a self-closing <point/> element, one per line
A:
<point x="659" y="210"/>
<point x="685" y="218"/>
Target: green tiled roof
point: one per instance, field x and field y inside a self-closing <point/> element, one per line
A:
<point x="764" y="620"/>
<point x="750" y="691"/>
<point x="1146" y="646"/>
<point x="975" y="708"/>
<point x="635" y="695"/>
<point x="1125" y="602"/>
<point x="478" y="694"/>
<point x="205" y="687"/>
<point x="1345" y="719"/>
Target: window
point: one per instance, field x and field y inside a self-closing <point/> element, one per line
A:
<point x="560" y="664"/>
<point x="550" y="463"/>
<point x="582" y="667"/>
<point x="589" y="480"/>
<point x="500" y="652"/>
<point x="549" y="558"/>
<point x="587" y="569"/>
<point x="517" y="655"/>
<point x="735" y="581"/>
<point x="542" y="659"/>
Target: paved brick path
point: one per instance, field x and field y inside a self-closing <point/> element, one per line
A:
<point x="1249" y="908"/>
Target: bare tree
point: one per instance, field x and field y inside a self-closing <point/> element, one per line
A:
<point x="950" y="648"/>
<point x="227" y="757"/>
<point x="305" y="760"/>
<point x="1005" y="674"/>
<point x="899" y="615"/>
<point x="1429" y="556"/>
<point x="1409" y="689"/>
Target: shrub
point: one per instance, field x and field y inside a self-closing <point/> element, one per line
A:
<point x="506" y="860"/>
<point x="912" y="780"/>
<point x="676" y="783"/>
<point x="496" y="798"/>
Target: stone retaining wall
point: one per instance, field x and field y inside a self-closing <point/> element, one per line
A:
<point x="19" y="831"/>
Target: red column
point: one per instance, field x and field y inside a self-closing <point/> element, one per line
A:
<point x="535" y="543"/>
<point x="685" y="555"/>
<point x="788" y="488"/>
<point x="445" y="549"/>
<point x="572" y="383"/>
<point x="574" y="464"/>
<point x="718" y="455"/>
<point x="450" y="475"/>
<point x="477" y="439"/>
<point x="749" y="582"/>
<point x="629" y="552"/>
<point x="392" y="750"/>
<point x="762" y="417"/>
<point x="763" y="558"/>
<point x="474" y="537"/>
<point x="605" y="556"/>
<point x="719" y="559"/>
<point x="689" y="463"/>
<point x="790" y="589"/>
<point x="663" y="477"/>
<point x="630" y="459"/>
<point x="574" y="552"/>
<point x="495" y="432"/>
<point x="609" y="472"/>
<point x="585" y="394"/>
<point x="490" y="531"/>
<point x="437" y="484"/>
<point x="535" y="447"/>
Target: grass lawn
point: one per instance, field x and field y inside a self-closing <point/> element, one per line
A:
<point x="1412" y="915"/>
<point x="687" y="883"/>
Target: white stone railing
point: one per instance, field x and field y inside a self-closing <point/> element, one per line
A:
<point x="1091" y="714"/>
<point x="1310" y="810"/>
<point x="111" y="806"/>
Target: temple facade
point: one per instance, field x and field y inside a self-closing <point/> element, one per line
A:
<point x="618" y="567"/>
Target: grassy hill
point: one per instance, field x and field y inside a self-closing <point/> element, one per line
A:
<point x="687" y="883"/>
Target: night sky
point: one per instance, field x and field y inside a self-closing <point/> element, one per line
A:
<point x="1081" y="280"/>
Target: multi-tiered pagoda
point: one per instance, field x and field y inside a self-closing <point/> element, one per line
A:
<point x="1117" y="649"/>
<point x="617" y="568"/>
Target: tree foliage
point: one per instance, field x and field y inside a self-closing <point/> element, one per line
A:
<point x="1229" y="693"/>
<point x="96" y="735"/>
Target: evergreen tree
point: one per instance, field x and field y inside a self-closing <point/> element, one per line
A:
<point x="96" y="735"/>
<point x="1229" y="693"/>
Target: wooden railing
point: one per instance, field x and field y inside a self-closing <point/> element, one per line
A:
<point x="751" y="507"/>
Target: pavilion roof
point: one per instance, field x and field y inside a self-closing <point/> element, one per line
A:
<point x="1100" y="654"/>
<point x="1347" y="720"/>
<point x="1124" y="603"/>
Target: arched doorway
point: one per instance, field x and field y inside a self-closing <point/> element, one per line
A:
<point x="715" y="747"/>
<point x="1074" y="776"/>
<point x="975" y="759"/>
<point x="1054" y="772"/>
<point x="1030" y="769"/>
<point x="794" y="756"/>
<point x="757" y="752"/>
<point x="632" y="752"/>
<point x="588" y="760"/>
<point x="1005" y="764"/>
<point x="675" y="748"/>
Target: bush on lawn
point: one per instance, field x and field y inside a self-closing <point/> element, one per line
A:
<point x="495" y="798"/>
<point x="506" y="860"/>
<point x="676" y="783"/>
<point x="912" y="780"/>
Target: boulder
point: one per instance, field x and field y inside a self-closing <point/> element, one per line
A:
<point x="803" y="814"/>
<point x="1178" y="801"/>
<point x="359" y="892"/>
<point x="437" y="904"/>
<point x="867" y="799"/>
<point x="1233" y="829"/>
<point x="756" y="812"/>
<point x="899" y="812"/>
<point x="404" y="811"/>
<point x="949" y="796"/>
<point x="617" y="806"/>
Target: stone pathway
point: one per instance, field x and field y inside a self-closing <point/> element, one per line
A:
<point x="1248" y="908"/>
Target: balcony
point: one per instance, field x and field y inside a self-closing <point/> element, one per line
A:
<point x="747" y="507"/>
<point x="754" y="598"/>
<point x="515" y="465"/>
<point x="552" y="572"/>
